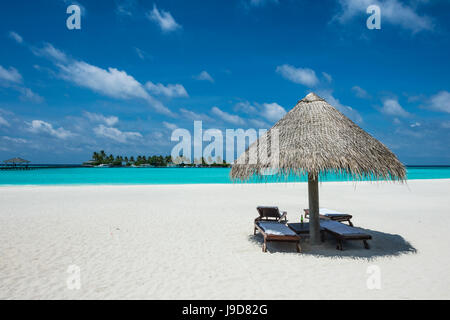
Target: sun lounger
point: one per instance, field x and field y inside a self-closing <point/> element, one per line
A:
<point x="271" y="213"/>
<point x="276" y="231"/>
<point x="344" y="232"/>
<point x="334" y="215"/>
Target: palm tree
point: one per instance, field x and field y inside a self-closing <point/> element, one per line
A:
<point x="96" y="157"/>
<point x="153" y="161"/>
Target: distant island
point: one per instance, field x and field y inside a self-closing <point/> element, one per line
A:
<point x="101" y="159"/>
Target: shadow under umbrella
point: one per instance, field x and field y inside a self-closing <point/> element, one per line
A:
<point x="382" y="245"/>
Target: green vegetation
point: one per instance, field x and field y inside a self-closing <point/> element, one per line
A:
<point x="210" y="163"/>
<point x="101" y="158"/>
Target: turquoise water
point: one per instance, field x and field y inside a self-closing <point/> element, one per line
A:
<point x="64" y="176"/>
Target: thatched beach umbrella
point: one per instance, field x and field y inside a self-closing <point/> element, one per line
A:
<point x="315" y="138"/>
<point x="16" y="161"/>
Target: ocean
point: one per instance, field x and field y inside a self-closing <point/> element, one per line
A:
<point x="89" y="176"/>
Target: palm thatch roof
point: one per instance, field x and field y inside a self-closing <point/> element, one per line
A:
<point x="315" y="138"/>
<point x="16" y="160"/>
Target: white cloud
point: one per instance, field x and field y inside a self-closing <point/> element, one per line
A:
<point x="245" y="107"/>
<point x="259" y="123"/>
<point x="7" y="112"/>
<point x="204" y="76"/>
<point x="12" y="78"/>
<point x="234" y="119"/>
<point x="164" y="19"/>
<point x="169" y="125"/>
<point x="273" y="111"/>
<point x="10" y="75"/>
<point x="303" y="76"/>
<point x="327" y="76"/>
<point x="440" y="102"/>
<point x="50" y="52"/>
<point x="39" y="126"/>
<point x="415" y="124"/>
<point x="14" y="140"/>
<point x="270" y="111"/>
<point x="407" y="132"/>
<point x="111" y="82"/>
<point x="123" y="11"/>
<point x="16" y="37"/>
<point x="96" y="117"/>
<point x="115" y="134"/>
<point x="259" y="3"/>
<point x="360" y="92"/>
<point x="393" y="108"/>
<point x="3" y="122"/>
<point x="171" y="90"/>
<point x="142" y="54"/>
<point x="188" y="114"/>
<point x="397" y="121"/>
<point x="392" y="11"/>
<point x="28" y="95"/>
<point x="351" y="113"/>
<point x="125" y="7"/>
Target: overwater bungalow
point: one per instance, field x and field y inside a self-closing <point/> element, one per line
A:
<point x="15" y="163"/>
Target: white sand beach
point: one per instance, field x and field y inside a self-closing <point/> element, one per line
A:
<point x="196" y="242"/>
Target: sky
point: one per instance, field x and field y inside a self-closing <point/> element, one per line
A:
<point x="139" y="69"/>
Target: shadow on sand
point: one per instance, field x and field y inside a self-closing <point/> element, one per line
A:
<point x="381" y="245"/>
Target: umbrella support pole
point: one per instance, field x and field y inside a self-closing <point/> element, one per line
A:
<point x="314" y="223"/>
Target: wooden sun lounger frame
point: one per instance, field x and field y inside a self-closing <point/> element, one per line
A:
<point x="270" y="237"/>
<point x="341" y="237"/>
<point x="344" y="217"/>
<point x="282" y="215"/>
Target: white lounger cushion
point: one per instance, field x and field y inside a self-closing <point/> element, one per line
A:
<point x="325" y="211"/>
<point x="275" y="228"/>
<point x="340" y="228"/>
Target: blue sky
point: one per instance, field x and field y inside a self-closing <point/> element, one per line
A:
<point x="138" y="69"/>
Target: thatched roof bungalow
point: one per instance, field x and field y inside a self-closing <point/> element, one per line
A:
<point x="16" y="161"/>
